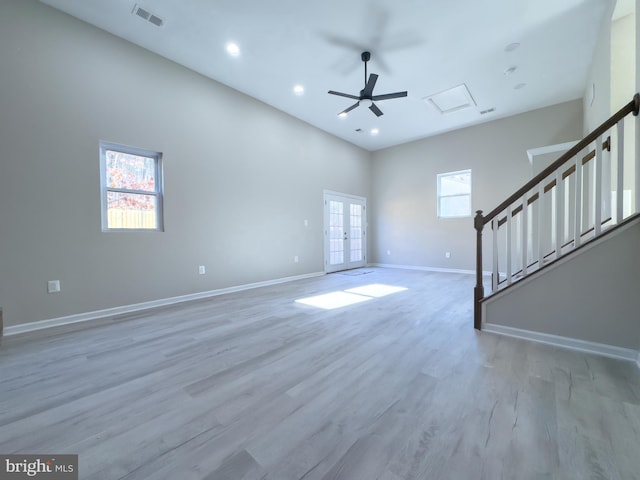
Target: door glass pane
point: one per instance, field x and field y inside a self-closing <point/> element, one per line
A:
<point x="355" y="237"/>
<point x="336" y="232"/>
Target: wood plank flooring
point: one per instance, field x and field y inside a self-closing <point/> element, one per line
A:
<point x="252" y="385"/>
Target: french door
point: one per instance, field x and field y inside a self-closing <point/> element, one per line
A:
<point x="345" y="224"/>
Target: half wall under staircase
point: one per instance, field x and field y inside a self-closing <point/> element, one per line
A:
<point x="589" y="300"/>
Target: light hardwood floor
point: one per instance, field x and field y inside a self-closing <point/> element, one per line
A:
<point x="252" y="385"/>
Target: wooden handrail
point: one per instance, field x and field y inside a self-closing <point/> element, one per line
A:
<point x="549" y="186"/>
<point x="606" y="145"/>
<point x="632" y="107"/>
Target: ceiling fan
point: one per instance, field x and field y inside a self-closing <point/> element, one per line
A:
<point x="366" y="94"/>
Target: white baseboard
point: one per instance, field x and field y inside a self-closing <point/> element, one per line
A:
<point x="428" y="269"/>
<point x="110" y="312"/>
<point x="565" y="342"/>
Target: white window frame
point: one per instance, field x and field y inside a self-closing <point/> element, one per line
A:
<point x="104" y="189"/>
<point x="440" y="196"/>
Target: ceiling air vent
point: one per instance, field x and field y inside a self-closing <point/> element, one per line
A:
<point x="146" y="15"/>
<point x="157" y="21"/>
<point x="141" y="12"/>
<point x="488" y="110"/>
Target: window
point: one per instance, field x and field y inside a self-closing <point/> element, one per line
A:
<point x="454" y="194"/>
<point x="131" y="184"/>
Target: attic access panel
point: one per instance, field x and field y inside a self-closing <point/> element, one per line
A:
<point x="452" y="100"/>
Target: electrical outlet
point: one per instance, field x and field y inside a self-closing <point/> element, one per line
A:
<point x="295" y="259"/>
<point x="202" y="270"/>
<point x="388" y="252"/>
<point x="447" y="254"/>
<point x="306" y="223"/>
<point x="53" y="286"/>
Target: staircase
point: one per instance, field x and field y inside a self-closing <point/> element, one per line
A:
<point x="589" y="194"/>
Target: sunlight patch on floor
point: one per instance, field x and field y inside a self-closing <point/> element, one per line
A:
<point x="376" y="290"/>
<point x="352" y="296"/>
<point x="332" y="300"/>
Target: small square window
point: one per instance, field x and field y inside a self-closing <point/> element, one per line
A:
<point x="454" y="194"/>
<point x="131" y="187"/>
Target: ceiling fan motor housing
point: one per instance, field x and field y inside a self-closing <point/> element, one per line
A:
<point x="366" y="97"/>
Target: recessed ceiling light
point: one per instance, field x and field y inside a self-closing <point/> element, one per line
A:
<point x="298" y="89"/>
<point x="519" y="86"/>
<point x="511" y="47"/>
<point x="233" y="49"/>
<point x="375" y="131"/>
<point x="510" y="70"/>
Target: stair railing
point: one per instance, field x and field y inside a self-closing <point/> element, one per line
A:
<point x="577" y="198"/>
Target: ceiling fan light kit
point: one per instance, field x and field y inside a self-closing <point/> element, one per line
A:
<point x="366" y="97"/>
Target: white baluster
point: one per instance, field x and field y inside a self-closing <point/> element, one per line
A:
<point x="559" y="212"/>
<point x="577" y="225"/>
<point x="540" y="255"/>
<point x="496" y="275"/>
<point x="525" y="234"/>
<point x="619" y="213"/>
<point x="606" y="211"/>
<point x="508" y="224"/>
<point x="597" y="173"/>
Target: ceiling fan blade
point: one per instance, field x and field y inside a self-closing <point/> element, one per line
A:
<point x="388" y="96"/>
<point x="368" y="88"/>
<point x="375" y="110"/>
<point x="343" y="42"/>
<point x="340" y="94"/>
<point x="349" y="109"/>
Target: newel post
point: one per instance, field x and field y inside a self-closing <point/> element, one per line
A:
<point x="478" y="291"/>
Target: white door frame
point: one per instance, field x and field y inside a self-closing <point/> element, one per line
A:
<point x="348" y="199"/>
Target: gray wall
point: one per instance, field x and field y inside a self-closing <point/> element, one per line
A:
<point x="593" y="296"/>
<point x="637" y="196"/>
<point x="404" y="217"/>
<point x="240" y="177"/>
<point x="597" y="108"/>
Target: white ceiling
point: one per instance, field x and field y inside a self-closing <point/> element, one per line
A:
<point x="422" y="46"/>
